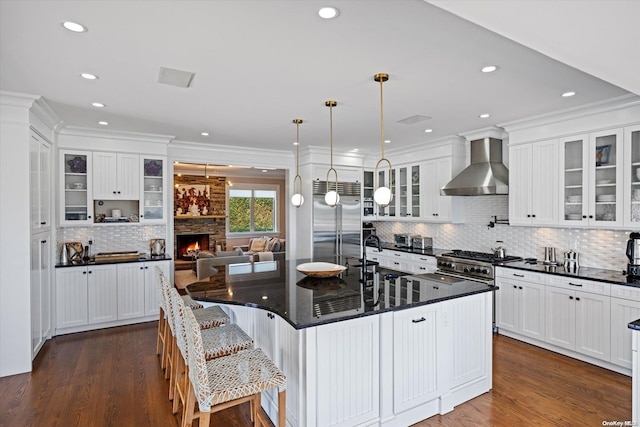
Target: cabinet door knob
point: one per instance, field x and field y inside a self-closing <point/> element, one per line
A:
<point x="89" y="217"/>
<point x="141" y="268"/>
<point x="577" y="298"/>
<point x="570" y="297"/>
<point x="528" y="216"/>
<point x="590" y="216"/>
<point x="534" y="215"/>
<point x="84" y="272"/>
<point x="90" y="271"/>
<point x="118" y="192"/>
<point x="114" y="192"/>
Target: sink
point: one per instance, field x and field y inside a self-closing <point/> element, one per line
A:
<point x="116" y="256"/>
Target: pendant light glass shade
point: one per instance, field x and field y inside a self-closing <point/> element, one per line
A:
<point x="297" y="200"/>
<point x="382" y="195"/>
<point x="331" y="198"/>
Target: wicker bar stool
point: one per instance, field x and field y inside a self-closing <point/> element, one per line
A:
<point x="228" y="381"/>
<point x="207" y="318"/>
<point x="162" y="320"/>
<point x="217" y="342"/>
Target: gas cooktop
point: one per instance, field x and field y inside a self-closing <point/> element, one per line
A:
<point x="479" y="256"/>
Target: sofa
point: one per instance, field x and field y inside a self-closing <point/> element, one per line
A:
<point x="262" y="244"/>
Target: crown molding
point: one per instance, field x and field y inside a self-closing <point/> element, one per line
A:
<point x="116" y="135"/>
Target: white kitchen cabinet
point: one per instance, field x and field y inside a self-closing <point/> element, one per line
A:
<point x="152" y="284"/>
<point x="131" y="290"/>
<point x="533" y="183"/>
<point x="387" y="178"/>
<point x="368" y="208"/>
<point x="407" y="195"/>
<point x="415" y="356"/>
<point x="436" y="208"/>
<point x="635" y="382"/>
<point x="625" y="308"/>
<point x="116" y="176"/>
<point x="520" y="303"/>
<point x="71" y="297"/>
<point x="347" y="360"/>
<point x="421" y="264"/>
<point x="591" y="179"/>
<point x="631" y="187"/>
<point x="40" y="182"/>
<point x="102" y="293"/>
<point x="578" y="320"/>
<point x="76" y="183"/>
<point x="41" y="303"/>
<point x="153" y="185"/>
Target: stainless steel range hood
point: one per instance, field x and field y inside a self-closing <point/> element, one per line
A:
<point x="486" y="175"/>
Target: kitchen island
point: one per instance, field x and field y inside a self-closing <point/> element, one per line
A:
<point x="385" y="351"/>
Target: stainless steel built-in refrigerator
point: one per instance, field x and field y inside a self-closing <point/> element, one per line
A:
<point x="336" y="231"/>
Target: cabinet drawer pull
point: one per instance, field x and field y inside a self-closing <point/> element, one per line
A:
<point x="43" y="242"/>
<point x="397" y="254"/>
<point x="422" y="319"/>
<point x="575" y="284"/>
<point x="43" y="223"/>
<point x="518" y="275"/>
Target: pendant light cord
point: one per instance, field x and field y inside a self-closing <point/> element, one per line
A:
<point x="331" y="104"/>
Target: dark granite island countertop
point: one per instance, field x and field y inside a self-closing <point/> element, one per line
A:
<point x="351" y="345"/>
<point x="635" y="325"/>
<point x="303" y="301"/>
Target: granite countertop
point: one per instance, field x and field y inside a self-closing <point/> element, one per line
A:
<point x="611" y="276"/>
<point x="141" y="258"/>
<point x="303" y="301"/>
<point x="635" y="325"/>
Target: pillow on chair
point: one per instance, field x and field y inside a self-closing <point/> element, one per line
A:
<point x="258" y="245"/>
<point x="270" y="247"/>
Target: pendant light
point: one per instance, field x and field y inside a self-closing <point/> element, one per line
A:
<point x="383" y="195"/>
<point x="331" y="197"/>
<point x="297" y="200"/>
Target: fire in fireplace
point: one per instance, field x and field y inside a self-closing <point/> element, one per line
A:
<point x="189" y="244"/>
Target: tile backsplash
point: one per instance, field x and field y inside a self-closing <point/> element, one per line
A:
<point x="111" y="238"/>
<point x="597" y="248"/>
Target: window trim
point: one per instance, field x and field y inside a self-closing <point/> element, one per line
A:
<point x="276" y="211"/>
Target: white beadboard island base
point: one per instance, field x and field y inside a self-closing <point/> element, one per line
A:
<point x="390" y="369"/>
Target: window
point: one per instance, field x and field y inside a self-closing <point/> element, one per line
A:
<point x="253" y="209"/>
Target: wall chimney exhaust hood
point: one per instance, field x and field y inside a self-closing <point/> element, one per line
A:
<point x="486" y="175"/>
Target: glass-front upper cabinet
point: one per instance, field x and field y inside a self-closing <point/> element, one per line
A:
<point x="409" y="192"/>
<point x="632" y="176"/>
<point x="387" y="178"/>
<point x="606" y="182"/>
<point x="415" y="191"/>
<point x="367" y="194"/>
<point x="76" y="203"/>
<point x="153" y="206"/>
<point x="574" y="178"/>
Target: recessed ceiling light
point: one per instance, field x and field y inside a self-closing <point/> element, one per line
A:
<point x="328" y="12"/>
<point x="103" y="123"/>
<point x="484" y="116"/>
<point x="568" y="94"/>
<point x="489" y="69"/>
<point x="387" y="141"/>
<point x="74" y="26"/>
<point x="355" y="150"/>
<point x="98" y="104"/>
<point x="428" y="130"/>
<point x="89" y="76"/>
<point x="204" y="133"/>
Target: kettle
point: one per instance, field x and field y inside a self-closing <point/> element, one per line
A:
<point x="633" y="248"/>
<point x="499" y="252"/>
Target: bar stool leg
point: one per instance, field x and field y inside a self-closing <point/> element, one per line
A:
<point x="282" y="408"/>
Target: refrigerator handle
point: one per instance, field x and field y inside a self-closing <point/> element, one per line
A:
<point x="339" y="228"/>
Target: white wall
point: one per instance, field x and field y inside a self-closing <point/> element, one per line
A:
<point x="597" y="248"/>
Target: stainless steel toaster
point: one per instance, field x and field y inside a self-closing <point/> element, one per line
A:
<point x="421" y="242"/>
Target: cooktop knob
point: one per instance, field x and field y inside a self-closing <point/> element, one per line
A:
<point x="472" y="270"/>
<point x="466" y="270"/>
<point x="485" y="271"/>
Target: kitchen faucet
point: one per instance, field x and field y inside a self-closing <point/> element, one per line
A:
<point x="364" y="249"/>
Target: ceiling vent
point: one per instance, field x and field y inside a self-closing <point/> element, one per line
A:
<point x="414" y="119"/>
<point x="177" y="78"/>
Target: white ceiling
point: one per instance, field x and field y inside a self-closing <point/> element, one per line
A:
<point x="260" y="64"/>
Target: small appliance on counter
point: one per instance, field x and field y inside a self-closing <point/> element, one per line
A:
<point x="550" y="255"/>
<point x="421" y="242"/>
<point x="74" y="251"/>
<point x="571" y="261"/>
<point x="402" y="240"/>
<point x="633" y="254"/>
<point x="157" y="247"/>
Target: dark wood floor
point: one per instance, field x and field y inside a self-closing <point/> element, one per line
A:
<point x="112" y="377"/>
